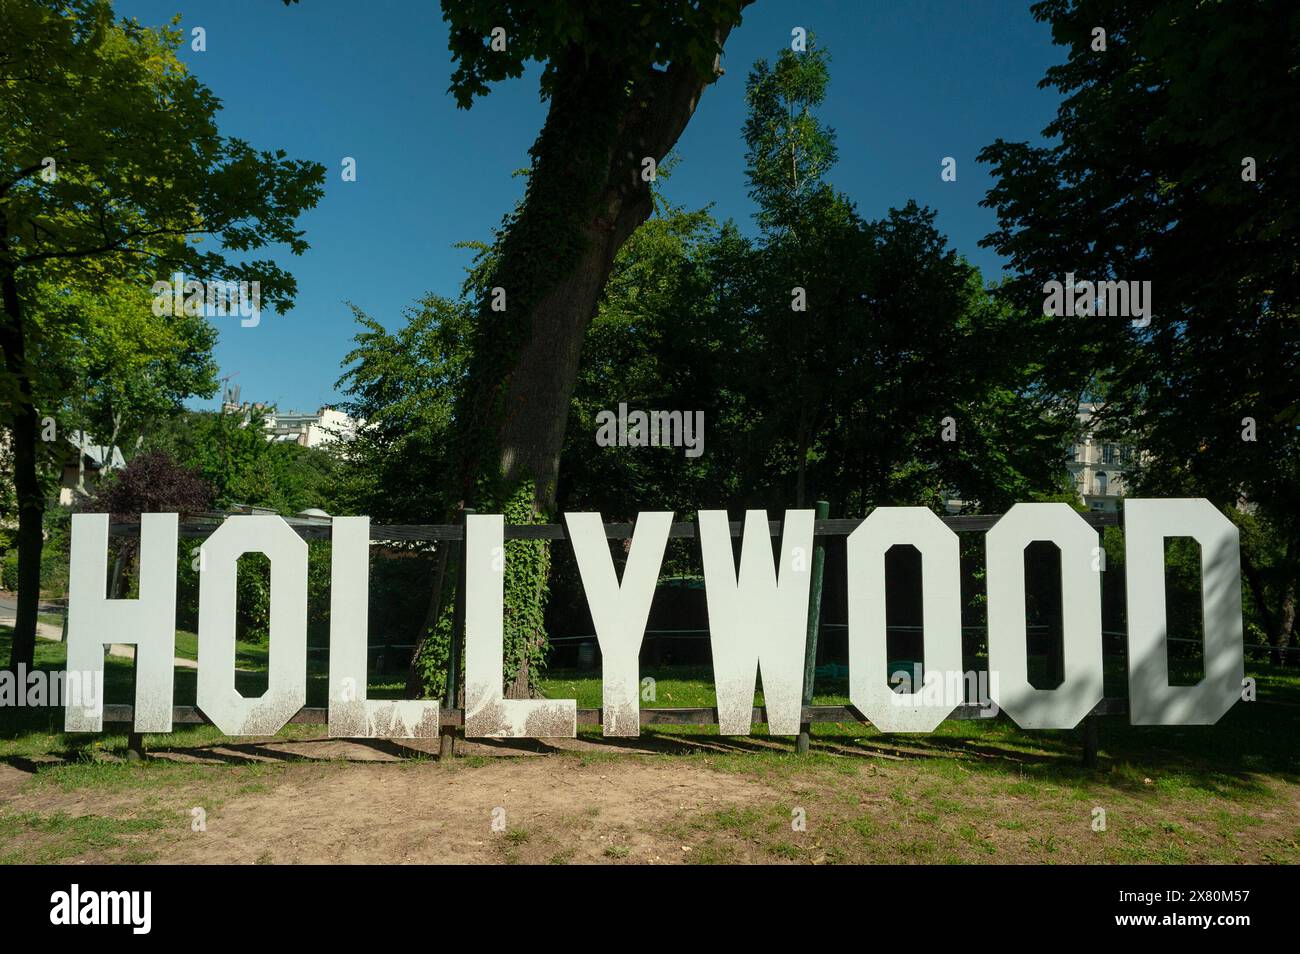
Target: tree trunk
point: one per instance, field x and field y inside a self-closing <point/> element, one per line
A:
<point x="585" y="197"/>
<point x="802" y="440"/>
<point x="116" y="589"/>
<point x="801" y="476"/>
<point x="81" y="446"/>
<point x="1286" y="625"/>
<point x="1259" y="591"/>
<point x="541" y="382"/>
<point x="81" y="466"/>
<point x="1280" y="627"/>
<point x="107" y="463"/>
<point x="31" y="502"/>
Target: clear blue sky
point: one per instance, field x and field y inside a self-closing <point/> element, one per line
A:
<point x="912" y="81"/>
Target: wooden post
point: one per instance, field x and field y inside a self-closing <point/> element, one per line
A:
<point x="134" y="740"/>
<point x="1091" y="741"/>
<point x="447" y="737"/>
<point x="814" y="622"/>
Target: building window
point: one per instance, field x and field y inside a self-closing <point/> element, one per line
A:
<point x="1101" y="483"/>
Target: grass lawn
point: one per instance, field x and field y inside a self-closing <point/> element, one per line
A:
<point x="972" y="791"/>
<point x="248" y="655"/>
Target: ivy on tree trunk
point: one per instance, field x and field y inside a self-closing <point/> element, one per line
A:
<point x="586" y="195"/>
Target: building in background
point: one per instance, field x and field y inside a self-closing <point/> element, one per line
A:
<point x="96" y="460"/>
<point x="325" y="426"/>
<point x="1098" y="467"/>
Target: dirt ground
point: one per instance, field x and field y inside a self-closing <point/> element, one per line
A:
<point x="368" y="804"/>
<point x="373" y="814"/>
<point x="576" y="801"/>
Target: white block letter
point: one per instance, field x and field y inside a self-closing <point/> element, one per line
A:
<point x="147" y="623"/>
<point x="487" y="713"/>
<point x="619" y="611"/>
<point x="1081" y="690"/>
<point x="869" y="688"/>
<point x="1151" y="700"/>
<point x="351" y="714"/>
<point x="286" y="690"/>
<point x="759" y="620"/>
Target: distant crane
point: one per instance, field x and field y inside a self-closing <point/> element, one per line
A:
<point x="229" y="392"/>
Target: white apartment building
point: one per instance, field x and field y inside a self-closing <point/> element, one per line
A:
<point x="1098" y="467"/>
<point x="311" y="430"/>
<point x="325" y="426"/>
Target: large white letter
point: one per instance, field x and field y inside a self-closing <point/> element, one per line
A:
<point x="1151" y="700"/>
<point x="758" y="621"/>
<point x="286" y="690"/>
<point x="1081" y="690"/>
<point x="148" y="623"/>
<point x="487" y="713"/>
<point x="619" y="611"/>
<point x="869" y="689"/>
<point x="351" y="714"/>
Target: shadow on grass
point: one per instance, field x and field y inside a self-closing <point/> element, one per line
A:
<point x="1252" y="740"/>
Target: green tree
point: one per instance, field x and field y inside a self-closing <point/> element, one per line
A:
<point x="621" y="83"/>
<point x="108" y="365"/>
<point x="846" y="399"/>
<point x="111" y="166"/>
<point x="790" y="150"/>
<point x="232" y="454"/>
<point x="403" y="386"/>
<point x="698" y="318"/>
<point x="836" y="322"/>
<point x="1174" y="161"/>
<point x="802" y="217"/>
<point x="649" y="346"/>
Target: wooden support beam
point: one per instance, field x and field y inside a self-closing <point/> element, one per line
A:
<point x="424" y="532"/>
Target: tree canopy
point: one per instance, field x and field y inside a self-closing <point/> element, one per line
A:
<point x="113" y="174"/>
<point x="1173" y="160"/>
<point x="846" y="398"/>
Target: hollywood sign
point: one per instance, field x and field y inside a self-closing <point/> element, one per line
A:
<point x="757" y="620"/>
